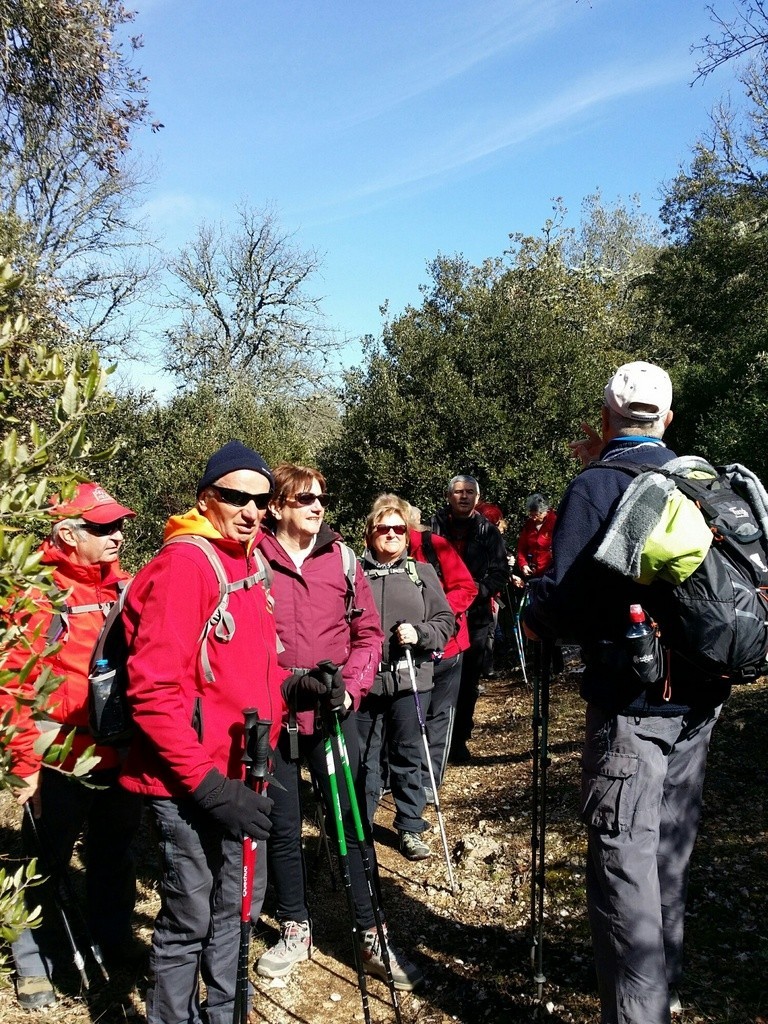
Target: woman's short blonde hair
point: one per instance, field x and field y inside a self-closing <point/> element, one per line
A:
<point x="383" y="506"/>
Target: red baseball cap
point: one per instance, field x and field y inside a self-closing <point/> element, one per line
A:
<point x="91" y="503"/>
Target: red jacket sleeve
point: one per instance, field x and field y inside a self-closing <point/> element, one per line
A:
<point x="366" y="638"/>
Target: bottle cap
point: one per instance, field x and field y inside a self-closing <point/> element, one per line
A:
<point x="636" y="613"/>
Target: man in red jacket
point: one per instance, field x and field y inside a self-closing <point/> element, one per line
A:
<point x="187" y="696"/>
<point x="83" y="551"/>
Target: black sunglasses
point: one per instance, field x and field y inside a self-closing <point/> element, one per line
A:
<point x="383" y="528"/>
<point x="103" y="529"/>
<point x="241" y="498"/>
<point x="308" y="498"/>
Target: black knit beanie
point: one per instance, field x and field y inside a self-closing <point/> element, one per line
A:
<point x="233" y="456"/>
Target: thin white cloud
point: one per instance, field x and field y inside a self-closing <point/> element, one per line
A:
<point x="453" y="46"/>
<point x="470" y="143"/>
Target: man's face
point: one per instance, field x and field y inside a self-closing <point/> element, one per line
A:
<point x="462" y="498"/>
<point x="235" y="521"/>
<point x="94" y="543"/>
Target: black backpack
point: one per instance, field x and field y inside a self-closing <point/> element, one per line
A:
<point x="715" y="619"/>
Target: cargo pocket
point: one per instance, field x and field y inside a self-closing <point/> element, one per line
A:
<point x="607" y="790"/>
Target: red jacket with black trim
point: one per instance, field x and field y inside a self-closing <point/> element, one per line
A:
<point x="457" y="583"/>
<point x="534" y="546"/>
<point x="310" y="612"/>
<point x="87" y="584"/>
<point x="185" y="725"/>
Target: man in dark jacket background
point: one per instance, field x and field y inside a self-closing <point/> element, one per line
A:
<point x="481" y="547"/>
<point x="646" y="748"/>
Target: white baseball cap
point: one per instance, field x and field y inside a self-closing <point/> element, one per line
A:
<point x="639" y="391"/>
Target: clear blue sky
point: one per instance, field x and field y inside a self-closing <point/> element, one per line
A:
<point x="384" y="133"/>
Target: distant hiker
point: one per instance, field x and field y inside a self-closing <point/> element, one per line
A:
<point x="460" y="591"/>
<point x="534" y="544"/>
<point x="324" y="611"/>
<point x="196" y="661"/>
<point x="481" y="547"/>
<point x="644" y="756"/>
<point x="83" y="551"/>
<point x="413" y="611"/>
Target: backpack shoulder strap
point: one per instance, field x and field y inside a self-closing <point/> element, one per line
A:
<point x="349" y="567"/>
<point x="115" y="610"/>
<point x="59" y="624"/>
<point x="413" y="572"/>
<point x="428" y="547"/>
<point x="221" y="621"/>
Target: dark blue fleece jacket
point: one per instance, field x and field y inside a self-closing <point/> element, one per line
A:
<point x="580" y="600"/>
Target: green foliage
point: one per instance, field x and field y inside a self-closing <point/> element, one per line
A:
<point x="34" y="461"/>
<point x="709" y="289"/>
<point x="491" y="375"/>
<point x="165" y="447"/>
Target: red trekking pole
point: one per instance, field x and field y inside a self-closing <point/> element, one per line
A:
<point x="255" y="758"/>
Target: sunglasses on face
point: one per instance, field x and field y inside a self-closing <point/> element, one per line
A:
<point x="103" y="529"/>
<point x="308" y="498"/>
<point x="384" y="528"/>
<point x="241" y="498"/>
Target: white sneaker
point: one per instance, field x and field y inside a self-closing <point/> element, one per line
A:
<point x="293" y="946"/>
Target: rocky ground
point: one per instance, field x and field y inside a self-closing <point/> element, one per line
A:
<point x="474" y="945"/>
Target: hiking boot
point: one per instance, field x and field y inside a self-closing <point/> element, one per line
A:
<point x="294" y="945"/>
<point x="413" y="846"/>
<point x="34" y="993"/>
<point x="405" y="975"/>
<point x="460" y="754"/>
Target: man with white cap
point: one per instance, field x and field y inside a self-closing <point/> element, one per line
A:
<point x="646" y="746"/>
<point x="83" y="551"/>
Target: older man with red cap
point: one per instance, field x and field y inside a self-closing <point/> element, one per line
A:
<point x="83" y="551"/>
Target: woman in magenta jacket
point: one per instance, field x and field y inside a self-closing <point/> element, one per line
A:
<point x="322" y="614"/>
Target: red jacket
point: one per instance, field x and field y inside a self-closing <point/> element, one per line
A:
<point x="534" y="547"/>
<point x="88" y="584"/>
<point x="185" y="725"/>
<point x="310" y="612"/>
<point x="459" y="587"/>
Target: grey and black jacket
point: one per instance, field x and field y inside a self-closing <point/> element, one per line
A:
<point x="400" y="599"/>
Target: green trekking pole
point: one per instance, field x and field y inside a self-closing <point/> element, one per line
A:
<point x="335" y="737"/>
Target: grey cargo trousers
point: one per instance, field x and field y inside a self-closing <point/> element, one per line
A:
<point x="642" y="781"/>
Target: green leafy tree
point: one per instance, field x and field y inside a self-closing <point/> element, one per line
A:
<point x="164" y="447"/>
<point x="33" y="463"/>
<point x="491" y="375"/>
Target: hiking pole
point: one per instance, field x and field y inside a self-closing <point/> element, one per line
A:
<point x="255" y="757"/>
<point x="519" y="639"/>
<point x="64" y="899"/>
<point x="539" y="721"/>
<point x="335" y="737"/>
<point x="428" y="757"/>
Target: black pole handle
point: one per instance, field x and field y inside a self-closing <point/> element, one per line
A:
<point x="256" y="747"/>
<point x="328" y="670"/>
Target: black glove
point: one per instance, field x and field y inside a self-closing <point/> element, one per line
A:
<point x="234" y="806"/>
<point x="303" y="690"/>
<point x="337" y="691"/>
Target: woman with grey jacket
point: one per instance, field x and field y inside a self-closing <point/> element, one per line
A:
<point x="414" y="613"/>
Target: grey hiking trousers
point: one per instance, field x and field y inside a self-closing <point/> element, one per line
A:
<point x="642" y="781"/>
